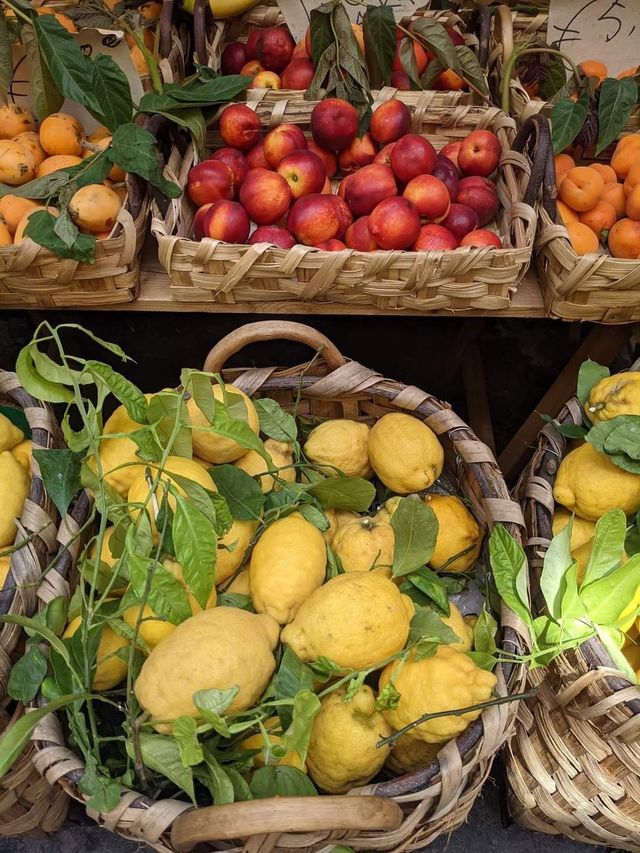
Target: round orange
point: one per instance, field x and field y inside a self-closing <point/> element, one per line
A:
<point x="563" y="162"/>
<point x="594" y="68"/>
<point x="632" y="207"/>
<point x="581" y="188"/>
<point x="614" y="194"/>
<point x="628" y="72"/>
<point x="600" y="218"/>
<point x="633" y="179"/>
<point x="566" y="214"/>
<point x="624" y="239"/>
<point x="627" y="152"/>
<point x="13" y="208"/>
<point x="583" y="240"/>
<point x="608" y="175"/>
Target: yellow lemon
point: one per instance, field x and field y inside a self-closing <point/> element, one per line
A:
<point x="581" y="532"/>
<point x="254" y="465"/>
<point x="615" y="395"/>
<point x="10" y="435"/>
<point x="341" y="444"/>
<point x="408" y="754"/>
<point x="458" y="532"/>
<point x="238" y="538"/>
<point x="364" y="545"/>
<point x="216" y="448"/>
<point x="589" y="484"/>
<point x="356" y="620"/>
<point x="291" y="759"/>
<point x="405" y="453"/>
<point x="110" y="668"/>
<point x="107" y="557"/>
<point x="23" y="453"/>
<point x="447" y="681"/>
<point x="14" y="488"/>
<point x="287" y="565"/>
<point x="460" y="628"/>
<point x="220" y="648"/>
<point x="152" y="628"/>
<point x="240" y="584"/>
<point x="5" y="565"/>
<point x="119" y="454"/>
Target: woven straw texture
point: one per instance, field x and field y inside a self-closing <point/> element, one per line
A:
<point x="429" y="802"/>
<point x="212" y="271"/>
<point x="220" y="33"/>
<point x="574" y="764"/>
<point x="28" y="804"/>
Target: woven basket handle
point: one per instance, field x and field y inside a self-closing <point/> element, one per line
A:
<point x="200" y="30"/>
<point x="283" y="814"/>
<point x="271" y="330"/>
<point x="165" y="25"/>
<point x="535" y="129"/>
<point x="504" y="34"/>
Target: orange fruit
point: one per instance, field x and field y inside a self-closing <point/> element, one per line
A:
<point x="17" y="163"/>
<point x="14" y="120"/>
<point x="632" y="207"/>
<point x="61" y="133"/>
<point x="600" y="218"/>
<point x="566" y="214"/>
<point x="581" y="188"/>
<point x="31" y="139"/>
<point x="146" y="34"/>
<point x="449" y="81"/>
<point x="614" y="194"/>
<point x="593" y="68"/>
<point x="633" y="178"/>
<point x="5" y="237"/>
<point x="563" y="162"/>
<point x="18" y="237"/>
<point x="627" y="152"/>
<point x="64" y="20"/>
<point x="101" y="132"/>
<point x="60" y="161"/>
<point x="95" y="208"/>
<point x="13" y="208"/>
<point x="116" y="173"/>
<point x="624" y="239"/>
<point x="150" y="11"/>
<point x="629" y="72"/>
<point x="608" y="175"/>
<point x="139" y="61"/>
<point x="583" y="240"/>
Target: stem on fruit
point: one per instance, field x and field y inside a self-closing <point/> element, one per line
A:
<point x="517" y="54"/>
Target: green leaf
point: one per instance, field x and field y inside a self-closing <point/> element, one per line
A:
<point x="555" y="78"/>
<point x="149" y="448"/>
<point x="41" y="228"/>
<point x="609" y="641"/>
<point x="600" y="434"/>
<point x="6" y="66"/>
<point x="103" y="792"/>
<point x="26" y="675"/>
<point x="134" y="149"/>
<point x="296" y="738"/>
<point x="162" y="754"/>
<point x="123" y="390"/>
<point x="572" y="607"/>
<point x="617" y="101"/>
<point x="351" y="493"/>
<point x="293" y="677"/>
<point x="484" y="633"/>
<point x="625" y="438"/>
<point x="509" y="566"/>
<point x="163" y="410"/>
<point x="388" y="698"/>
<point x="427" y="627"/>
<point x="200" y="387"/>
<point x="281" y="781"/>
<point x="112" y="89"/>
<point x="212" y="704"/>
<point x="607" y="547"/>
<point x="429" y="587"/>
<point x="435" y="37"/>
<point x="60" y="471"/>
<point x="567" y="430"/>
<point x="235" y="599"/>
<point x="557" y="561"/>
<point x="433" y="70"/>
<point x="222" y="788"/>
<point x="185" y="733"/>
<point x="37" y="628"/>
<point x="354" y="685"/>
<point x="46" y="98"/>
<point x="322" y="36"/>
<point x="198" y="94"/>
<point x="36" y="385"/>
<point x="408" y="60"/>
<point x="607" y="598"/>
<point x="166" y="597"/>
<point x="314" y="516"/>
<point x="195" y="546"/>
<point x="241" y="492"/>
<point x="274" y="421"/>
<point x="416" y="529"/>
<point x="241" y="790"/>
<point x="469" y="68"/>
<point x="632" y="543"/>
<point x="567" y="118"/>
<point x="379" y="31"/>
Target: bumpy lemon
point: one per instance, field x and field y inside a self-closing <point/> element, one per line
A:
<point x="223" y="647"/>
<point x="342" y="750"/>
<point x="14" y="488"/>
<point x="405" y="454"/>
<point x="581" y="532"/>
<point x="364" y="545"/>
<point x="238" y="538"/>
<point x="460" y="628"/>
<point x="272" y="725"/>
<point x="10" y="435"/>
<point x="287" y="565"/>
<point x="241" y="584"/>
<point x="216" y="448"/>
<point x="23" y="453"/>
<point x="590" y="485"/>
<point x="254" y="465"/>
<point x="409" y="754"/>
<point x="110" y="668"/>
<point x="356" y="620"/>
<point x="119" y="454"/>
<point x="613" y="396"/>
<point x="447" y="681"/>
<point x="458" y="531"/>
<point x="107" y="557"/>
<point x="341" y="444"/>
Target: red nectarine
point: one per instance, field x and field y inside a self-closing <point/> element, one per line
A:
<point x="479" y="153"/>
<point x="368" y="187"/>
<point x="359" y="153"/>
<point x="256" y="158"/>
<point x="390" y="121"/>
<point x="359" y="237"/>
<point x="233" y="58"/>
<point x="435" y="238"/>
<point x="413" y="155"/>
<point x="274" y="48"/>
<point x="344" y="215"/>
<point x="313" y="219"/>
<point x="272" y="234"/>
<point x="429" y="195"/>
<point x="226" y="220"/>
<point x="328" y="157"/>
<point x="331" y="245"/>
<point x="304" y="172"/>
<point x="384" y="154"/>
<point x="198" y="233"/>
<point x="394" y="223"/>
<point x="298" y="74"/>
<point x="282" y="140"/>
<point x="209" y="181"/>
<point x="334" y="123"/>
<point x="239" y="126"/>
<point x="236" y="161"/>
<point x="265" y="195"/>
<point x="460" y="220"/>
<point x="481" y="238"/>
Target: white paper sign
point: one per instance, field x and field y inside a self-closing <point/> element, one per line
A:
<point x="605" y="30"/>
<point x="297" y="13"/>
<point x="92" y="43"/>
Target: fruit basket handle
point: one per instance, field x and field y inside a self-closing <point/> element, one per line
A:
<point x="200" y="30"/>
<point x="537" y="129"/>
<point x="271" y="330"/>
<point x="165" y="25"/>
<point x="504" y="33"/>
<point x="283" y="814"/>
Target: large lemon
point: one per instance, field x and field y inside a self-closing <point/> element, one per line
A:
<point x="343" y="751"/>
<point x="463" y="630"/>
<point x="287" y="564"/>
<point x="337" y="518"/>
<point x="613" y="396"/>
<point x="364" y="545"/>
<point x="447" y="681"/>
<point x="110" y="668"/>
<point x="254" y="465"/>
<point x="405" y="453"/>
<point x="107" y="557"/>
<point x="23" y="453"/>
<point x="341" y="444"/>
<point x="238" y="538"/>
<point x="241" y="584"/>
<point x="216" y="448"/>
<point x="119" y="458"/>
<point x="356" y="620"/>
<point x="272" y="725"/>
<point x="220" y="648"/>
<point x="581" y="532"/>
<point x="5" y="565"/>
<point x="409" y="754"/>
<point x="458" y="532"/>
<point x="10" y="435"/>
<point x="14" y="488"/>
<point x="589" y="484"/>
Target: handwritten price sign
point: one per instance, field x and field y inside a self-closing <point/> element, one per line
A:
<point x="297" y="13"/>
<point x="605" y="30"/>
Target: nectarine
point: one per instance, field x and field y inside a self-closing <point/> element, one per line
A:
<point x="394" y="223"/>
<point x="413" y="155"/>
<point x="239" y="126"/>
<point x="283" y="140"/>
<point x="334" y="123"/>
<point x="272" y="234"/>
<point x="435" y="238"/>
<point x="367" y="187"/>
<point x="304" y="171"/>
<point x="313" y="219"/>
<point x="226" y="220"/>
<point x="265" y="196"/>
<point x="390" y="121"/>
<point x="209" y="181"/>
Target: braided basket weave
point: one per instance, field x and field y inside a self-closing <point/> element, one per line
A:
<point x="404" y="813"/>
<point x="212" y="271"/>
<point x="28" y="805"/>
<point x="574" y="764"/>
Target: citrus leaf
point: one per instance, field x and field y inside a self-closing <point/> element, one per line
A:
<point x="607" y="598"/>
<point x="195" y="545"/>
<point x="416" y="529"/>
<point x="469" y="68"/>
<point x="509" y="566"/>
<point x="241" y="492"/>
<point x="125" y="391"/>
<point x="429" y="588"/>
<point x="625" y="438"/>
<point x="281" y="781"/>
<point x="427" y="627"/>
<point x="607" y="548"/>
<point x="292" y="677"/>
<point x="162" y="754"/>
<point x="185" y="733"/>
<point x="60" y="470"/>
<point x="166" y="596"/>
<point x="221" y="787"/>
<point x="26" y="675"/>
<point x="351" y="493"/>
<point x="274" y="421"/>
<point x="616" y="103"/>
<point x="557" y="562"/>
<point x="296" y="738"/>
<point x="567" y="118"/>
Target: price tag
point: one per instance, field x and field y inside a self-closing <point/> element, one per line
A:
<point x="604" y="30"/>
<point x="297" y="13"/>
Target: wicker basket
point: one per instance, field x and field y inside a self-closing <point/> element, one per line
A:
<point x="211" y="37"/>
<point x="574" y="765"/>
<point x="211" y="271"/>
<point x="405" y="813"/>
<point x="28" y="804"/>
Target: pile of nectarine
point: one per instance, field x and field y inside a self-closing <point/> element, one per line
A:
<point x="600" y="203"/>
<point x="396" y="190"/>
<point x="274" y="61"/>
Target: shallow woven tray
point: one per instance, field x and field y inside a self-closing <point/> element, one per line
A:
<point x="431" y="801"/>
<point x="28" y="804"/>
<point x="574" y="764"/>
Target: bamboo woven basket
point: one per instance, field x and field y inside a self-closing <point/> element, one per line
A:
<point x="211" y="37"/>
<point x="574" y="764"/>
<point x="404" y="813"/>
<point x="211" y="271"/>
<point x="28" y="804"/>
